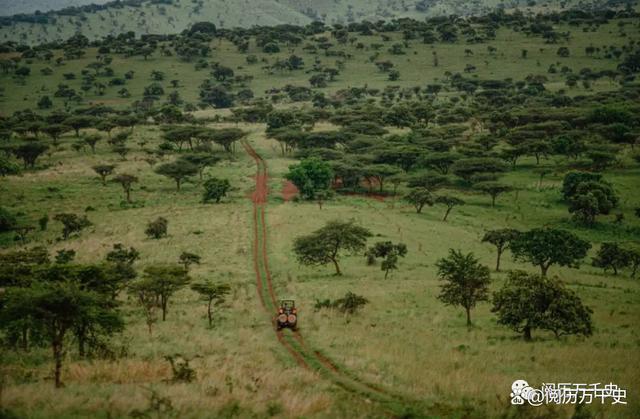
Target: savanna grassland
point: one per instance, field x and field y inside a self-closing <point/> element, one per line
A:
<point x="462" y="89"/>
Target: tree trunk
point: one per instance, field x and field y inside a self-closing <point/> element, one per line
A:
<point x="493" y="200"/>
<point x="178" y="184"/>
<point x="128" y="192"/>
<point x="468" y="309"/>
<point x="25" y="338"/>
<point x="498" y="261"/>
<point x="527" y="333"/>
<point x="57" y="356"/>
<point x="209" y="313"/>
<point x="163" y="303"/>
<point x="544" y="269"/>
<point x="335" y="263"/>
<point x="446" y="214"/>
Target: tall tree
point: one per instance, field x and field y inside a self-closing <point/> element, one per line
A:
<point x="163" y="281"/>
<point x="214" y="294"/>
<point x="56" y="309"/>
<point x="419" y="197"/>
<point x="29" y="152"/>
<point x="501" y="239"/>
<point x="450" y="202"/>
<point x="466" y="281"/>
<point x="126" y="181"/>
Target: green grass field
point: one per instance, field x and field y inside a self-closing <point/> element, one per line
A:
<point x="404" y="340"/>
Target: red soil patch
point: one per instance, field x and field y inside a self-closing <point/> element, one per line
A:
<point x="289" y="191"/>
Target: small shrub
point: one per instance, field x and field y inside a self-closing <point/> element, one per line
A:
<point x="182" y="372"/>
<point x="157" y="229"/>
<point x="7" y="220"/>
<point x="349" y="304"/>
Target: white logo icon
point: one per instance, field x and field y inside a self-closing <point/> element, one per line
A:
<point x="520" y="391"/>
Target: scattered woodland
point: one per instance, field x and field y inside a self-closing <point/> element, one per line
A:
<point x="452" y="202"/>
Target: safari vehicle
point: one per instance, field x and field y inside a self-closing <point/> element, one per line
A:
<point x="287" y="315"/>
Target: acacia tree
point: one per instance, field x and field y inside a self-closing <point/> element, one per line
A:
<point x="389" y="252"/>
<point x="214" y="294"/>
<point x="163" y="281"/>
<point x="450" y="202"/>
<point x="91" y="141"/>
<point x="544" y="247"/>
<point x="187" y="259"/>
<point x="527" y="302"/>
<point x="148" y="301"/>
<point x="126" y="181"/>
<point x="78" y="122"/>
<point x="72" y="223"/>
<point x="466" y="281"/>
<point x="104" y="170"/>
<point x="120" y="270"/>
<point x="493" y="189"/>
<point x="501" y="239"/>
<point x="419" y="197"/>
<point x="55" y="131"/>
<point x="226" y="137"/>
<point x="178" y="170"/>
<point x="325" y="245"/>
<point x="56" y="309"/>
<point x="201" y="160"/>
<point x="29" y="152"/>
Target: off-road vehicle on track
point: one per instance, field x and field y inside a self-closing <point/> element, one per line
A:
<point x="287" y="315"/>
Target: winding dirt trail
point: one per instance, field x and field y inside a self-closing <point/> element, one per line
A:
<point x="394" y="404"/>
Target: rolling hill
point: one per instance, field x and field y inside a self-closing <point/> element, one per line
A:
<point x="172" y="16"/>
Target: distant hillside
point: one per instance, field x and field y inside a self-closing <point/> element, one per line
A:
<point x="13" y="7"/>
<point x="172" y="16"/>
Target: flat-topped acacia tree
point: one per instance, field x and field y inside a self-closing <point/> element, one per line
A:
<point x="104" y="170"/>
<point x="178" y="170"/>
<point x="325" y="245"/>
<point x="126" y="181"/>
